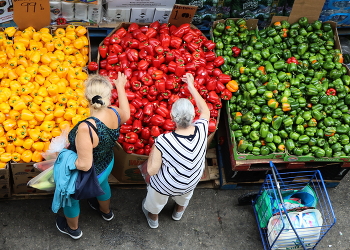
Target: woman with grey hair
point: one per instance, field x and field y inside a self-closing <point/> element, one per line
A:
<point x="177" y="159"/>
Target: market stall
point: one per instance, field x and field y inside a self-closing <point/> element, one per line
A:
<point x="277" y="92"/>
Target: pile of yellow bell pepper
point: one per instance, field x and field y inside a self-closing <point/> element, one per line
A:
<point x="41" y="88"/>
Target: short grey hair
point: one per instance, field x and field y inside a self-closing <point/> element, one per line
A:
<point x="182" y="112"/>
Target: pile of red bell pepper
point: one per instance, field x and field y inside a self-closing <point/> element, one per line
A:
<point x="154" y="58"/>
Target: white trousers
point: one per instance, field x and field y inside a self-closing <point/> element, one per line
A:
<point x="155" y="201"/>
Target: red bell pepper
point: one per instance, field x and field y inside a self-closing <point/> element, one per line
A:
<point x="155" y="25"/>
<point x="211" y="84"/>
<point x="115" y="39"/>
<point x="131" y="137"/>
<point x="151" y="32"/>
<point x="212" y="125"/>
<point x="166" y="94"/>
<point x="103" y="50"/>
<point x="103" y="72"/>
<point x="157" y="74"/>
<point x="133" y="55"/>
<point x="140" y="151"/>
<point x="144" y="90"/>
<point x="236" y="51"/>
<point x="133" y="66"/>
<point x="112" y="74"/>
<point x="164" y="68"/>
<point x="163" y="111"/>
<point x="137" y="103"/>
<point x="157" y="120"/>
<point x="213" y="97"/>
<point x="128" y="73"/>
<point x="172" y="99"/>
<point x="121" y="138"/>
<point x="147" y="80"/>
<point x="145" y="133"/>
<point x="154" y="42"/>
<point x="147" y="149"/>
<point x="112" y="58"/>
<point x="180" y="70"/>
<point x="125" y="129"/>
<point x="216" y="72"/>
<point x="156" y="62"/>
<point x="103" y="64"/>
<point x="164" y="40"/>
<point x="107" y="40"/>
<point x="169" y="125"/>
<point x="142" y="65"/>
<point x="210" y="56"/>
<point x="226" y="94"/>
<point x="132" y="109"/>
<point x="139" y="115"/>
<point x="331" y="91"/>
<point x="128" y="147"/>
<point x="136" y="127"/>
<point x="139" y="144"/>
<point x="121" y="32"/>
<point x="92" y="66"/>
<point x="172" y="66"/>
<point x="192" y="47"/>
<point x="210" y="45"/>
<point x="175" y="42"/>
<point x="61" y="21"/>
<point x="224" y="78"/>
<point x="155" y="132"/>
<point x="148" y="109"/>
<point x="132" y="27"/>
<point x="160" y="85"/>
<point x="188" y="37"/>
<point x="219" y="87"/>
<point x="203" y="91"/>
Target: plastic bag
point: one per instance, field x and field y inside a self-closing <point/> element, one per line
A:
<point x="57" y="144"/>
<point x="43" y="165"/>
<point x="144" y="173"/>
<point x="43" y="181"/>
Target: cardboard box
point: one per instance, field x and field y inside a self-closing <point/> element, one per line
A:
<point x="118" y="14"/>
<point x="141" y="3"/>
<point x="7" y="14"/>
<point x="162" y="15"/>
<point x="303" y="8"/>
<point x="5" y="187"/>
<point x="141" y="15"/>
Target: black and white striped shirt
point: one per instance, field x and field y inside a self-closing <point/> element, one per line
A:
<point x="183" y="160"/>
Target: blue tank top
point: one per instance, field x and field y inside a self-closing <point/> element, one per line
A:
<point x="103" y="153"/>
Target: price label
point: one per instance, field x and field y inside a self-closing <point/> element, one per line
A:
<point x="35" y="13"/>
<point x="182" y="14"/>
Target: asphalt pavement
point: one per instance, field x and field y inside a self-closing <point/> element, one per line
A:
<point x="213" y="220"/>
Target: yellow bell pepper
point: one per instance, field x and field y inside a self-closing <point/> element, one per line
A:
<point x="39" y="79"/>
<point x="27" y="88"/>
<point x="3" y="57"/>
<point x="50" y="46"/>
<point x="60" y="55"/>
<point x="44" y="70"/>
<point x="38" y="146"/>
<point x="33" y="107"/>
<point x="80" y="59"/>
<point x="76" y="119"/>
<point x="20" y="69"/>
<point x="8" y="43"/>
<point x="10" y="52"/>
<point x="10" y="148"/>
<point x="61" y="86"/>
<point x="59" y="44"/>
<point x="84" y="50"/>
<point x="64" y="125"/>
<point x="60" y="32"/>
<point x="70" y="28"/>
<point x="58" y="120"/>
<point x="13" y="62"/>
<point x="19" y="46"/>
<point x="47" y="108"/>
<point x="14" y="114"/>
<point x="62" y="71"/>
<point x="28" y="143"/>
<point x="53" y="78"/>
<point x="23" y="62"/>
<point x="70" y="93"/>
<point x="32" y="123"/>
<point x="26" y="156"/>
<point x="2" y="132"/>
<point x="48" y="99"/>
<point x="37" y="157"/>
<point x="39" y="115"/>
<point x="54" y="64"/>
<point x="10" y="31"/>
<point x="22" y="124"/>
<point x="42" y="91"/>
<point x="59" y="112"/>
<point x="49" y="117"/>
<point x="62" y="98"/>
<point x="45" y="59"/>
<point x="44" y="30"/>
<point x="36" y="36"/>
<point x="9" y="124"/>
<point x="27" y="33"/>
<point x="3" y="142"/>
<point x="71" y="35"/>
<point x="80" y="30"/>
<point x="32" y="71"/>
<point x="24" y="78"/>
<point x="11" y="135"/>
<point x="52" y="90"/>
<point x="6" y="91"/>
<point x="68" y="49"/>
<point x="71" y="60"/>
<point x="5" y="157"/>
<point x="34" y="45"/>
<point x="16" y="157"/>
<point x="12" y="75"/>
<point x="38" y="99"/>
<point x="70" y="113"/>
<point x="45" y="136"/>
<point x="47" y="126"/>
<point x="20" y="150"/>
<point x="5" y="107"/>
<point x="35" y="57"/>
<point x="56" y="131"/>
<point x="21" y="132"/>
<point x="27" y="99"/>
<point x="19" y="105"/>
<point x="18" y="142"/>
<point x="2" y="118"/>
<point x="85" y="40"/>
<point x="5" y="83"/>
<point x="27" y="115"/>
<point x="79" y="43"/>
<point x="72" y="104"/>
<point x="46" y="37"/>
<point x="13" y="100"/>
<point x="34" y="134"/>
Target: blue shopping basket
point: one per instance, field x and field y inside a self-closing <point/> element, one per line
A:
<point x="293" y="210"/>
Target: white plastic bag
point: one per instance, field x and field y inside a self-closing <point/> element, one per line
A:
<point x="43" y="181"/>
<point x="308" y="225"/>
<point x="57" y="144"/>
<point x="43" y="165"/>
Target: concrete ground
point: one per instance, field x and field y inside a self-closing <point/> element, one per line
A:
<point x="213" y="220"/>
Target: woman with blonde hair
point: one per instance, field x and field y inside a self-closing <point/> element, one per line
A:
<point x="93" y="140"/>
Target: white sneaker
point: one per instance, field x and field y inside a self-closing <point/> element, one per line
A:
<point x="177" y="215"/>
<point x="151" y="223"/>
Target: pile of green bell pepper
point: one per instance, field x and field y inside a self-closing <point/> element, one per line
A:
<point x="294" y="90"/>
